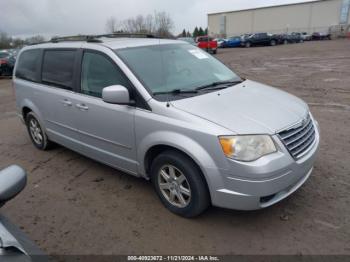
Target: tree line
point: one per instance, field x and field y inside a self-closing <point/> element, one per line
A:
<point x="196" y="32"/>
<point x="159" y="23"/>
<point x="8" y="42"/>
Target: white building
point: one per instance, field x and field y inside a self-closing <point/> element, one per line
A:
<point x="314" y="16"/>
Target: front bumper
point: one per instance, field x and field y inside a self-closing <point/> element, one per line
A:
<point x="260" y="184"/>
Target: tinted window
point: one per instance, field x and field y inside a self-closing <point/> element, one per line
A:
<point x="28" y="65"/>
<point x="58" y="68"/>
<point x="99" y="72"/>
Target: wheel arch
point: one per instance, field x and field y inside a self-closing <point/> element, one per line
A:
<point x="25" y="111"/>
<point x="28" y="106"/>
<point x="158" y="142"/>
<point x="156" y="150"/>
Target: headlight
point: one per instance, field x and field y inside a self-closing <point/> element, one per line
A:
<point x="247" y="148"/>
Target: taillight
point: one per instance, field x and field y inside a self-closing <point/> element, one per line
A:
<point x="3" y="61"/>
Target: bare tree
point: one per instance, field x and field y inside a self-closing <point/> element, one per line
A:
<point x="149" y="24"/>
<point x="139" y="24"/>
<point x="164" y="24"/>
<point x="111" y="25"/>
<point x="129" y="25"/>
<point x="34" y="39"/>
<point x="160" y="23"/>
<point x="5" y="41"/>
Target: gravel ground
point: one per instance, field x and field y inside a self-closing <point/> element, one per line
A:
<point x="74" y="205"/>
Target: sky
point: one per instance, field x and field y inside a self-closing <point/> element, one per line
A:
<point x="66" y="17"/>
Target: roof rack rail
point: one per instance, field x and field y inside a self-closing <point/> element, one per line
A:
<point x="131" y="35"/>
<point x="87" y="38"/>
<point x="95" y="38"/>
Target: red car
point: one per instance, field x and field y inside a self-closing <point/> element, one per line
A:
<point x="207" y="43"/>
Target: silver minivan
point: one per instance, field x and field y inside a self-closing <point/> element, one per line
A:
<point x="166" y="111"/>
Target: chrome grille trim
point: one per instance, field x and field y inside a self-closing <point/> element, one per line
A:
<point x="299" y="140"/>
<point x="294" y="130"/>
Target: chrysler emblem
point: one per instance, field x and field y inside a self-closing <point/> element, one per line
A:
<point x="304" y="122"/>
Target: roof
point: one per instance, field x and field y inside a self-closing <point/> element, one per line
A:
<point x="265" y="7"/>
<point x="134" y="42"/>
<point x="113" y="43"/>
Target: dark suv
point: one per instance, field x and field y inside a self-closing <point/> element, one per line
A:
<point x="7" y="63"/>
<point x="259" y="39"/>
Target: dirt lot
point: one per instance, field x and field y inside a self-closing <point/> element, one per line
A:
<point x="74" y="205"/>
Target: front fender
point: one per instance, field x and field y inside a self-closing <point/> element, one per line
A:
<point x="179" y="141"/>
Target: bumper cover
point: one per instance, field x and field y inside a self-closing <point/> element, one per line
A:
<point x="262" y="183"/>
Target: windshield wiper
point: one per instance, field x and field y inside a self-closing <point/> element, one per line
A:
<point x="176" y="92"/>
<point x="219" y="85"/>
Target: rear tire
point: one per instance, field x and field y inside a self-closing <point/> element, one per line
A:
<point x="248" y="45"/>
<point x="36" y="133"/>
<point x="179" y="184"/>
<point x="272" y="42"/>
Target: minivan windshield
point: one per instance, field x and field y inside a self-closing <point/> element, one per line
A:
<point x="168" y="67"/>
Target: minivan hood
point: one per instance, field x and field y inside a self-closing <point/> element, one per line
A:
<point x="247" y="108"/>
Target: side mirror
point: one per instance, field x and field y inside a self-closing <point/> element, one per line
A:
<point x="13" y="179"/>
<point x="116" y="95"/>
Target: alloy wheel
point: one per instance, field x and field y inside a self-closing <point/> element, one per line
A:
<point x="174" y="186"/>
<point x="35" y="131"/>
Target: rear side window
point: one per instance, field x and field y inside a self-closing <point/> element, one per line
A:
<point x="58" y="68"/>
<point x="99" y="72"/>
<point x="28" y="65"/>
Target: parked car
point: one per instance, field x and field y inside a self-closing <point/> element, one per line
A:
<point x="7" y="63"/>
<point x="189" y="40"/>
<point x="283" y="39"/>
<point x="171" y="113"/>
<point x="306" y="37"/>
<point x="297" y="37"/>
<point x="208" y="44"/>
<point x="232" y="42"/>
<point x="321" y="36"/>
<point x="14" y="244"/>
<point x="288" y="38"/>
<point x="220" y="41"/>
<point x="259" y="39"/>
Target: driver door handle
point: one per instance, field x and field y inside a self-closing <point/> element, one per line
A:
<point x="82" y="107"/>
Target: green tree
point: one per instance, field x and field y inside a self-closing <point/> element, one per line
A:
<point x="184" y="33"/>
<point x="195" y="32"/>
<point x="188" y="34"/>
<point x="201" y="31"/>
<point x="206" y="31"/>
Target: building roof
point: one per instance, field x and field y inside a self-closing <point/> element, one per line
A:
<point x="264" y="7"/>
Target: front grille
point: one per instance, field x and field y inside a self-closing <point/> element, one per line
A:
<point x="299" y="139"/>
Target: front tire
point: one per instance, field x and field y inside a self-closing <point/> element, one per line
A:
<point x="36" y="133"/>
<point x="179" y="184"/>
<point x="273" y="43"/>
<point x="248" y="45"/>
